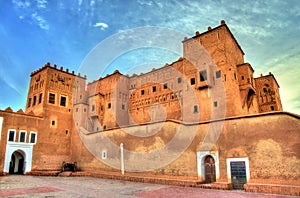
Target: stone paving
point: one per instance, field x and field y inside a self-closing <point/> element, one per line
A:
<point x="34" y="186"/>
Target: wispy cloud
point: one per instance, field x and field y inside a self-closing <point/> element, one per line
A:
<point x="41" y="4"/>
<point x="102" y="25"/>
<point x="42" y="23"/>
<point x="21" y="4"/>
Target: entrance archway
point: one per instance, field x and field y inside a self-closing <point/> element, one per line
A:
<point x="17" y="165"/>
<point x="210" y="169"/>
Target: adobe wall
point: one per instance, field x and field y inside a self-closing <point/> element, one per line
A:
<point x="270" y="141"/>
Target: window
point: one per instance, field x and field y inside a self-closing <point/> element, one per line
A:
<point x="195" y="108"/>
<point x="33" y="136"/>
<point x="104" y="155"/>
<point x="109" y="105"/>
<point x="123" y="106"/>
<point x="166" y="86"/>
<point x="193" y="81"/>
<point x="272" y="108"/>
<point x="243" y="77"/>
<point x="234" y="76"/>
<point x="179" y="80"/>
<point x="51" y="98"/>
<point x="53" y="122"/>
<point x="29" y="102"/>
<point x="218" y="74"/>
<point x="154" y="89"/>
<point x="142" y="92"/>
<point x="63" y="101"/>
<point x="34" y="100"/>
<point x="11" y="135"/>
<point x="40" y="98"/>
<point x="215" y="103"/>
<point x="93" y="107"/>
<point x="22" y="136"/>
<point x="203" y="75"/>
<point x="224" y="77"/>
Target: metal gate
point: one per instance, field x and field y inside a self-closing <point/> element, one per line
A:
<point x="238" y="174"/>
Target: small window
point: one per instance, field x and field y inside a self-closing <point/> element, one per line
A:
<point x="29" y="102"/>
<point x="123" y="106"/>
<point x="22" y="137"/>
<point x="67" y="131"/>
<point x="33" y="136"/>
<point x="215" y="103"/>
<point x="272" y="108"/>
<point x="154" y="89"/>
<point x="53" y="122"/>
<point x="109" y="105"/>
<point x="203" y="75"/>
<point x="34" y="100"/>
<point x="243" y="77"/>
<point x="63" y="101"/>
<point x="76" y="109"/>
<point x="166" y="86"/>
<point x="193" y="81"/>
<point x="40" y="98"/>
<point x="11" y="136"/>
<point x="234" y="76"/>
<point x="93" y="107"/>
<point x="104" y="155"/>
<point x="179" y="80"/>
<point x="218" y="74"/>
<point x="195" y="108"/>
<point x="51" y="98"/>
<point x="142" y="92"/>
<point x="224" y="77"/>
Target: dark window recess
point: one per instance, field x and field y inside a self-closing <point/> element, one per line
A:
<point x="11" y="136"/>
<point x="84" y="110"/>
<point x="22" y="137"/>
<point x="243" y="77"/>
<point x="272" y="108"/>
<point x="123" y="106"/>
<point x="93" y="107"/>
<point x="63" y="101"/>
<point x="53" y="122"/>
<point x="32" y="138"/>
<point x="224" y="77"/>
<point x="215" y="103"/>
<point x="29" y="102"/>
<point x="203" y="75"/>
<point x="142" y="92"/>
<point x="234" y="76"/>
<point x="34" y="100"/>
<point x="52" y="98"/>
<point x="195" y="109"/>
<point x="101" y="108"/>
<point x="218" y="74"/>
<point x="179" y="80"/>
<point x="154" y="89"/>
<point x="67" y="131"/>
<point x="104" y="127"/>
<point x="166" y="86"/>
<point x="193" y="81"/>
<point x="109" y="105"/>
<point x="40" y="98"/>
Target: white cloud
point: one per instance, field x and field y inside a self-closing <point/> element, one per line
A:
<point x="42" y="23"/>
<point x="102" y="25"/>
<point x="41" y="4"/>
<point x="21" y="4"/>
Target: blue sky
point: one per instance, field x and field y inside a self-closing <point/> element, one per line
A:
<point x="64" y="32"/>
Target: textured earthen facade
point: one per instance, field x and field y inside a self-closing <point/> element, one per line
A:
<point x="220" y="120"/>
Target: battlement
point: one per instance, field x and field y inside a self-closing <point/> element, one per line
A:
<point x="61" y="69"/>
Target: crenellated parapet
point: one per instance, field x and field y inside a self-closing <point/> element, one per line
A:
<point x="61" y="69"/>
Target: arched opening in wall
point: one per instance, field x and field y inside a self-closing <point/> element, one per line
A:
<point x="17" y="163"/>
<point x="210" y="169"/>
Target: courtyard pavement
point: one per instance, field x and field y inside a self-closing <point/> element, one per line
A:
<point x="35" y="186"/>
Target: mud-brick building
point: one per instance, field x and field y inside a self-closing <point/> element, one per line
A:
<point x="204" y="118"/>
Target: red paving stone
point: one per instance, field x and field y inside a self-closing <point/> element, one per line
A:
<point x="26" y="191"/>
<point x="183" y="192"/>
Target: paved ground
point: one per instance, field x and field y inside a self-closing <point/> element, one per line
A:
<point x="33" y="186"/>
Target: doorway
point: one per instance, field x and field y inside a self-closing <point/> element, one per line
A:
<point x="238" y="174"/>
<point x="210" y="169"/>
<point x="16" y="165"/>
